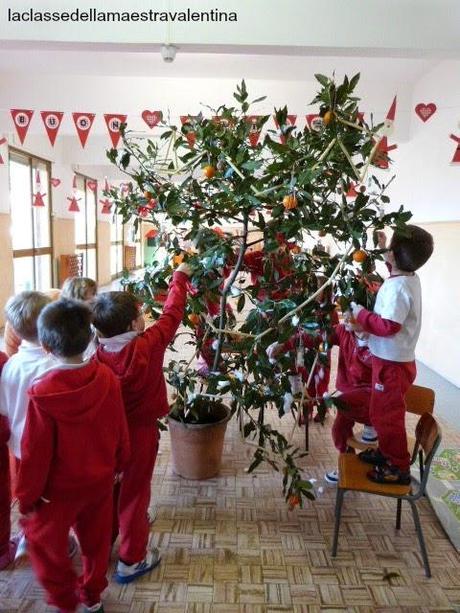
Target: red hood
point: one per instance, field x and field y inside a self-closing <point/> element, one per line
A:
<point x="56" y="391"/>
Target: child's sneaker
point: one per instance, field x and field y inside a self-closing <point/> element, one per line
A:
<point x="369" y="435"/>
<point x="21" y="549"/>
<point x="96" y="608"/>
<point x="8" y="557"/>
<point x="372" y="456"/>
<point x="332" y="477"/>
<point x="152" y="515"/>
<point x="389" y="475"/>
<point x="126" y="573"/>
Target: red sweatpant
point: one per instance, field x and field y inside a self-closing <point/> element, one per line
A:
<point x="5" y="496"/>
<point x="132" y="495"/>
<point x="47" y="533"/>
<point x="358" y="401"/>
<point x="390" y="382"/>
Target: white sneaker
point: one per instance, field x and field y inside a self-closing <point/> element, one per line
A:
<point x="332" y="477"/>
<point x="152" y="515"/>
<point x="96" y="608"/>
<point x="369" y="435"/>
<point x="126" y="573"/>
<point x="21" y="549"/>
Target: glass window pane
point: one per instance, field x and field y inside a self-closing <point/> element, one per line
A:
<point x="41" y="215"/>
<point x="91" y="264"/>
<point x="43" y="272"/>
<point x="90" y="215"/>
<point x="23" y="269"/>
<point x="80" y="221"/>
<point x="20" y="195"/>
<point x="113" y="260"/>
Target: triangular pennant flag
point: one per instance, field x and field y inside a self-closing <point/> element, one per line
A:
<point x="254" y="132"/>
<point x="83" y="123"/>
<point x="152" y="118"/>
<point x="456" y="157"/>
<point x="38" y="196"/>
<point x="314" y="122"/>
<point x="3" y="141"/>
<point x="290" y="121"/>
<point x="190" y="135"/>
<point x="73" y="206"/>
<point x="22" y="119"/>
<point x="113" y="123"/>
<point x="106" y="206"/>
<point x="52" y="121"/>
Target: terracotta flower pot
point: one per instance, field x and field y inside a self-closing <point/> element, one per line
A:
<point x="197" y="448"/>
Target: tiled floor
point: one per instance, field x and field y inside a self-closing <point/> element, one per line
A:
<point x="230" y="545"/>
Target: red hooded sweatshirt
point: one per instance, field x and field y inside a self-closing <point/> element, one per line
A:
<point x="4" y="426"/>
<point x="75" y="438"/>
<point x="139" y="365"/>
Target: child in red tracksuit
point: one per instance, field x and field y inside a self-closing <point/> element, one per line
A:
<point x="75" y="442"/>
<point x="394" y="328"/>
<point x="136" y="357"/>
<point x="7" y="547"/>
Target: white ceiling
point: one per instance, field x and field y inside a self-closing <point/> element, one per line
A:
<point x="191" y="64"/>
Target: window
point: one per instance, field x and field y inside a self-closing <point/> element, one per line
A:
<point x="30" y="225"/>
<point x="86" y="226"/>
<point x="116" y="246"/>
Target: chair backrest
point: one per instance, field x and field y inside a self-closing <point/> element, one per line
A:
<point x="420" y="400"/>
<point x="427" y="439"/>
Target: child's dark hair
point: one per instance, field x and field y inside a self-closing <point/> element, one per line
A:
<point x="64" y="327"/>
<point x="22" y="313"/>
<point x="411" y="248"/>
<point x="113" y="313"/>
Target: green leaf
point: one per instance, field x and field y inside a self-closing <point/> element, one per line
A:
<point x="322" y="79"/>
<point x="241" y="302"/>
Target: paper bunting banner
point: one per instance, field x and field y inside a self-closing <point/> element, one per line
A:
<point x="106" y="206"/>
<point x="83" y="123"/>
<point x="92" y="185"/>
<point x="22" y="119"/>
<point x="190" y="135"/>
<point x="73" y="206"/>
<point x="3" y="141"/>
<point x="55" y="182"/>
<point x="152" y="118"/>
<point x="314" y="122"/>
<point x="380" y="158"/>
<point x="425" y="111"/>
<point x="38" y="196"/>
<point x="456" y="158"/>
<point x="254" y="132"/>
<point x="290" y="121"/>
<point x="52" y="121"/>
<point x="113" y="123"/>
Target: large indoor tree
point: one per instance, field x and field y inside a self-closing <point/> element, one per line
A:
<point x="214" y="191"/>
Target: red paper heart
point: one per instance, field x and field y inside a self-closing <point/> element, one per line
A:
<point x="152" y="118"/>
<point x="425" y="111"/>
<point x="55" y="182"/>
<point x="92" y="185"/>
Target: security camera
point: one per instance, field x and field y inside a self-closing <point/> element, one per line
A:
<point x="168" y="53"/>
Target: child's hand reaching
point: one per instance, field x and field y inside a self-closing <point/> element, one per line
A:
<point x="185" y="268"/>
<point x="356" y="309"/>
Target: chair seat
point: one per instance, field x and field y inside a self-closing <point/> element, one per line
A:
<point x="353" y="476"/>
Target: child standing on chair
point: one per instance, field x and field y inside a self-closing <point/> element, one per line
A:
<point x="394" y="328"/>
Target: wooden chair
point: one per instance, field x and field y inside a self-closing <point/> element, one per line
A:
<point x="419" y="400"/>
<point x="353" y="476"/>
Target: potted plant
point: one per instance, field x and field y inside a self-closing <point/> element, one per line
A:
<point x="214" y="191"/>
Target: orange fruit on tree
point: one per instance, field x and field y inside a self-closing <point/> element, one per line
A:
<point x="177" y="259"/>
<point x="328" y="117"/>
<point x="293" y="501"/>
<point x="194" y="319"/>
<point x="148" y="195"/>
<point x="209" y="171"/>
<point x="359" y="256"/>
<point x="290" y="202"/>
<point x="322" y="233"/>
